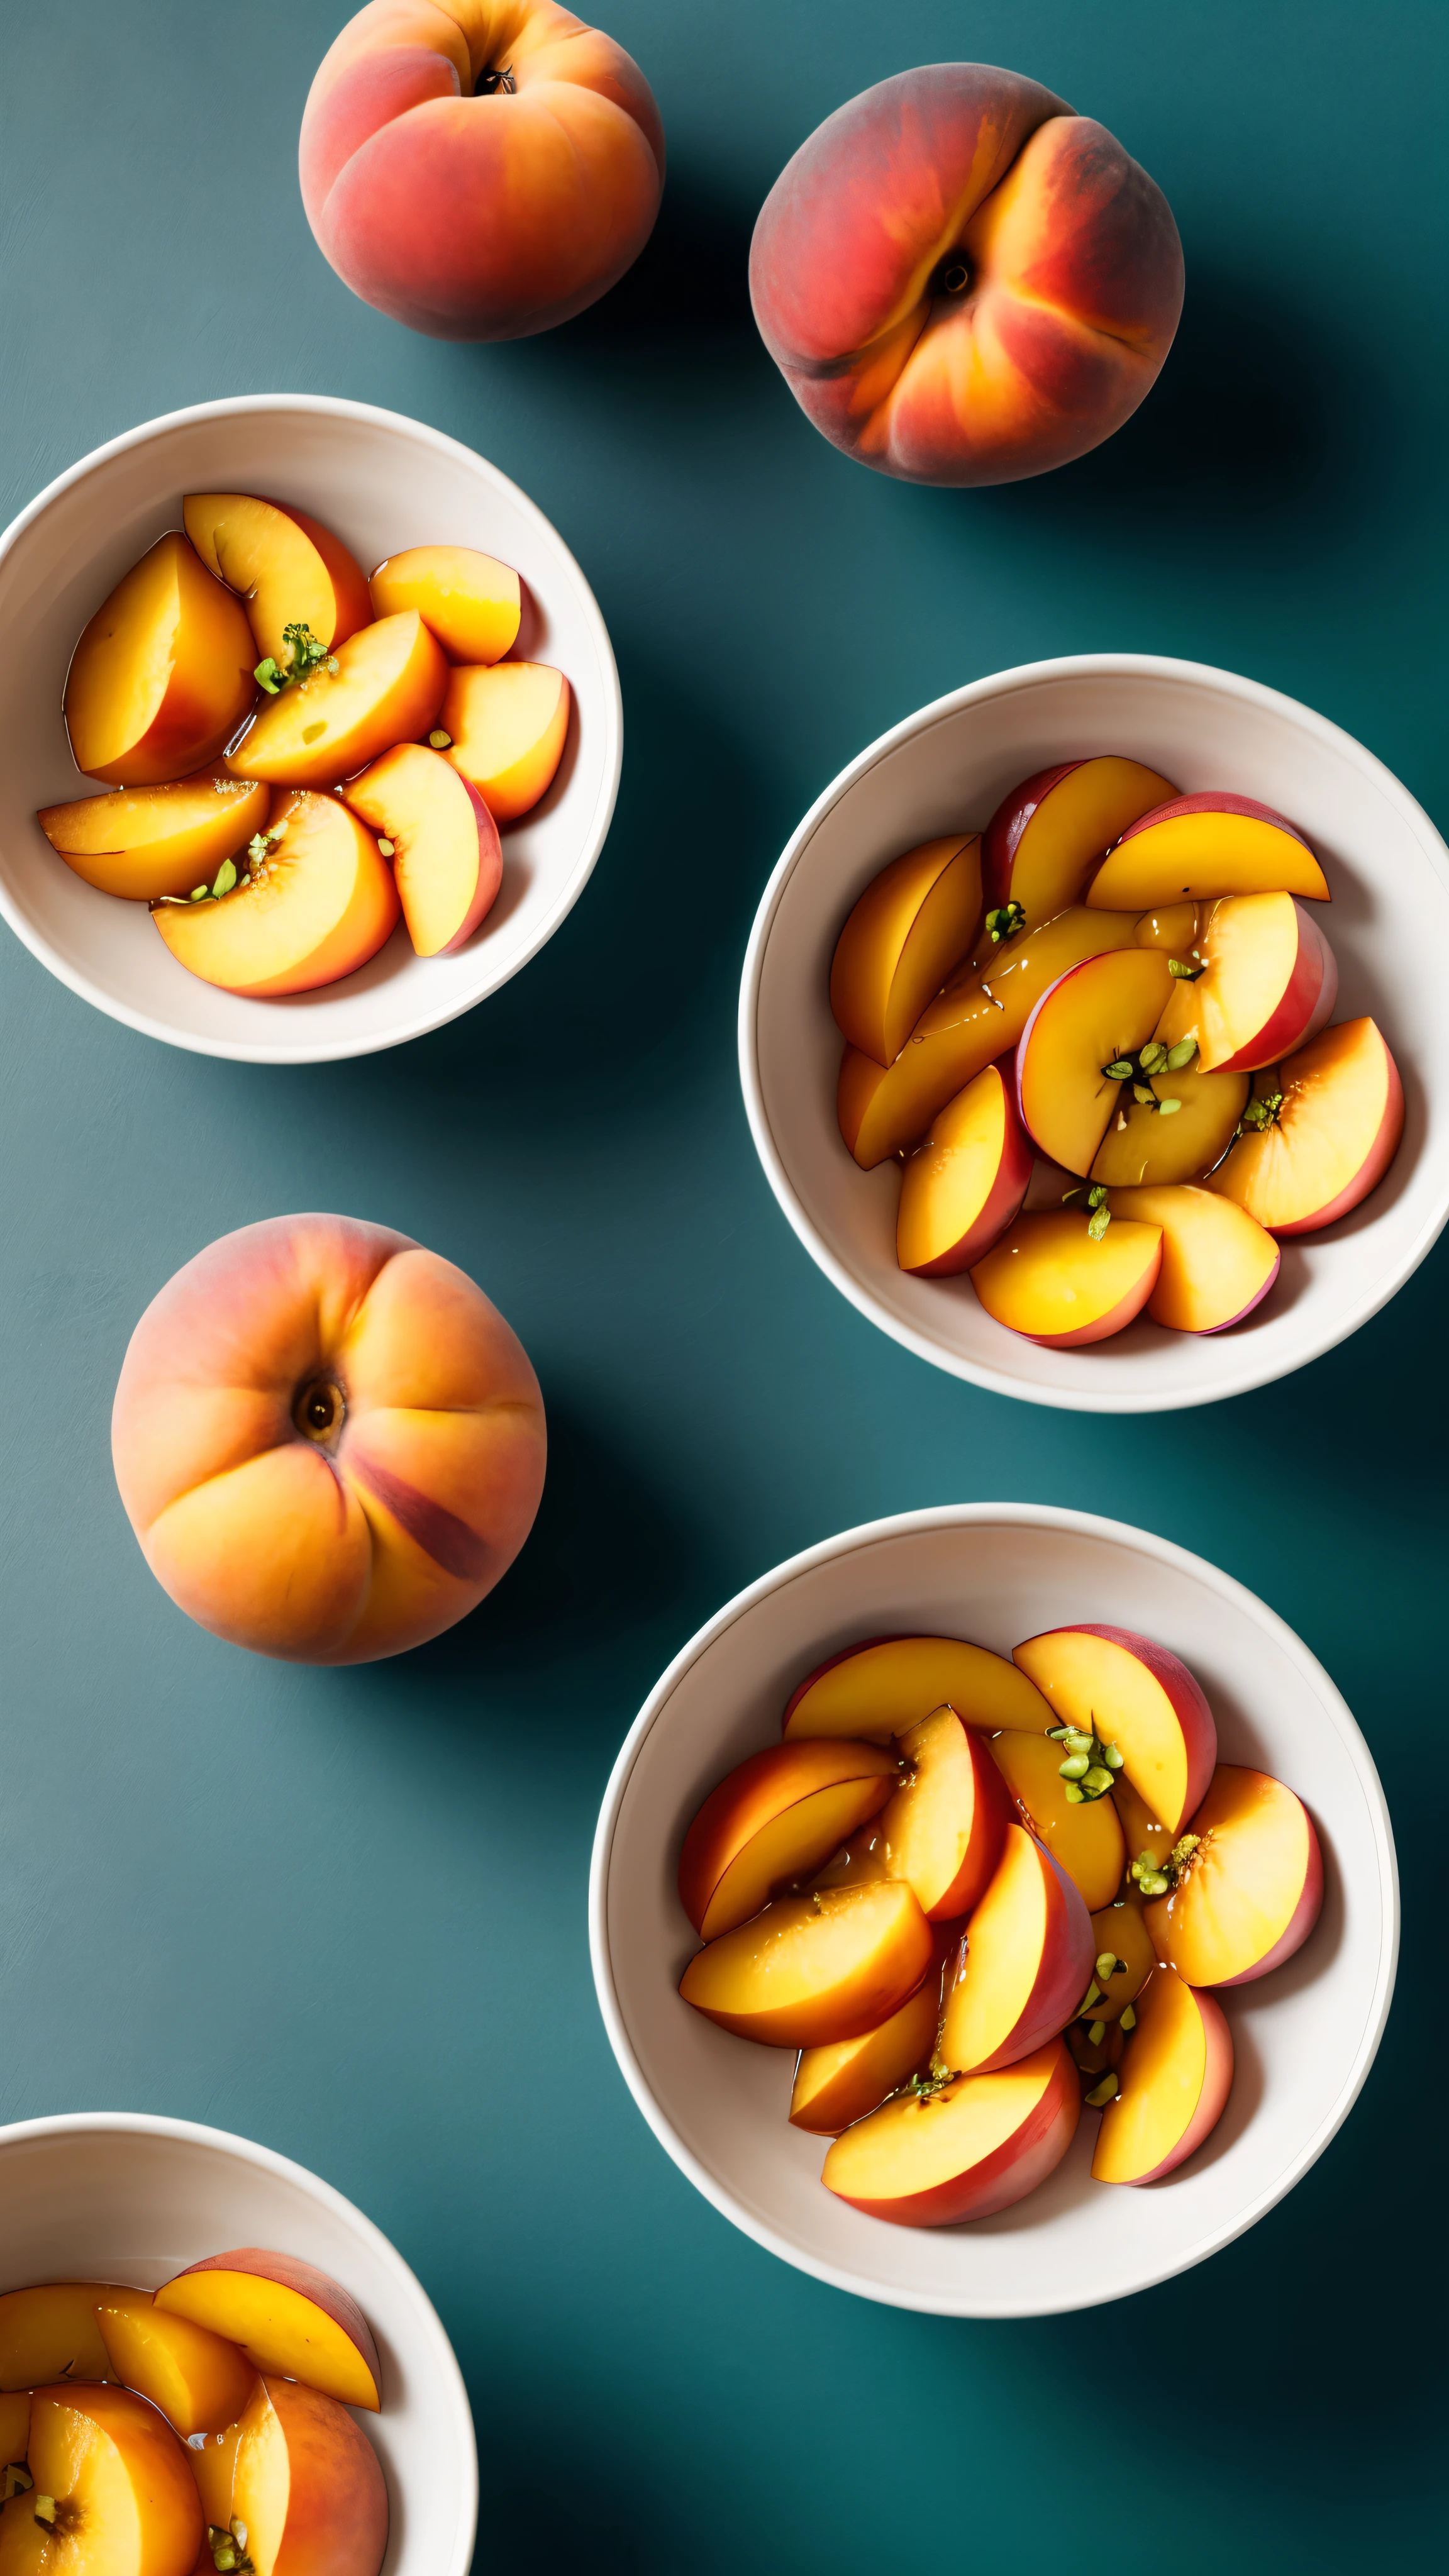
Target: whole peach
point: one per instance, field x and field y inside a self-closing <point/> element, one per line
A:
<point x="962" y="281"/>
<point x="330" y="1445"/>
<point x="479" y="169"/>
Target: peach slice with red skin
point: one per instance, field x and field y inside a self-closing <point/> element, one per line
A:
<point x="883" y="1685"/>
<point x="1050" y="1280"/>
<point x="1143" y="1149"/>
<point x="162" y="675"/>
<point x="1175" y="2076"/>
<point x="1333" y="1116"/>
<point x="962" y="1188"/>
<point x="1126" y="1689"/>
<point x="1086" y="1839"/>
<point x="774" y="1820"/>
<point x="288" y="2317"/>
<point x="308" y="2486"/>
<point x="903" y="937"/>
<point x="447" y="859"/>
<point x="1027" y="1963"/>
<point x="1218" y="1263"/>
<point x="509" y="722"/>
<point x="289" y="569"/>
<point x="1266" y="983"/>
<point x="198" y="2380"/>
<point x="1204" y="845"/>
<point x="834" y="2086"/>
<point x="319" y="905"/>
<point x="1047" y="835"/>
<point x="964" y="2150"/>
<point x="812" y="1969"/>
<point x="387" y="688"/>
<point x="472" y="602"/>
<point x="945" y="1826"/>
<point x="140" y="842"/>
<point x="882" y="1109"/>
<point x="1099" y="1013"/>
<point x="121" y="2492"/>
<point x="1250" y="1893"/>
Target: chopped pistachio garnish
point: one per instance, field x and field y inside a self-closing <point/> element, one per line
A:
<point x="1168" y="1108"/>
<point x="1185" y="973"/>
<point x="1127" y="2018"/>
<point x="1005" y="922"/>
<point x="45" y="2511"/>
<point x="1103" y="2093"/>
<point x="15" y="2480"/>
<point x="229" y="2549"/>
<point x="440" y="741"/>
<point x="1159" y="1878"/>
<point x="1089" y="1764"/>
<point x="1261" y="1113"/>
<point x="307" y="656"/>
<point x="1181" y="1054"/>
<point x="388" y="848"/>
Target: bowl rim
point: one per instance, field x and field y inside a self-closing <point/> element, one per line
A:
<point x="1023" y="675"/>
<point x="964" y="1516"/>
<point x="453" y="2391"/>
<point x="322" y="1050"/>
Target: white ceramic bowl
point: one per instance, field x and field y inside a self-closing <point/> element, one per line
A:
<point x="948" y="767"/>
<point x="120" y="2196"/>
<point x="1305" y="2037"/>
<point x="382" y="483"/>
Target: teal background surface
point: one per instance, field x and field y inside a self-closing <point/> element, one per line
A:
<point x="344" y="1912"/>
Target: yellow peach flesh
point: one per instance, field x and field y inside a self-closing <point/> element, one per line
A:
<point x="509" y="722"/>
<point x="945" y="1825"/>
<point x="1143" y="1147"/>
<point x="308" y="2486"/>
<point x="1242" y="1887"/>
<point x="888" y="1684"/>
<point x="52" y="2329"/>
<point x="387" y="688"/>
<point x="812" y="1969"/>
<point x="1217" y="1261"/>
<point x="1086" y="1839"/>
<point x="773" y="1820"/>
<point x="286" y="2317"/>
<point x="845" y="2081"/>
<point x="1099" y="1014"/>
<point x="1078" y="816"/>
<point x="976" y="2146"/>
<point x="1330" y="1140"/>
<point x="162" y="675"/>
<point x="905" y="935"/>
<point x="1198" y="855"/>
<point x="472" y="602"/>
<point x="140" y="842"/>
<point x="320" y="905"/>
<point x="447" y="862"/>
<point x="1048" y="1279"/>
<point x="198" y="2380"/>
<point x="290" y="570"/>
<point x="125" y="2501"/>
<point x="1173" y="2082"/>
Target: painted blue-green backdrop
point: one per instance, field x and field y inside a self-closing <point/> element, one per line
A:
<point x="344" y="1912"/>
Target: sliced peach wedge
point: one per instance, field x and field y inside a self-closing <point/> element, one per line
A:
<point x="509" y="722"/>
<point x="198" y="2380"/>
<point x="812" y="1969"/>
<point x="1095" y="1018"/>
<point x="1057" y="1280"/>
<point x="387" y="687"/>
<point x="963" y="2148"/>
<point x="162" y="675"/>
<point x="961" y="1189"/>
<point x="51" y="2331"/>
<point x="1175" y="2076"/>
<point x="882" y="1109"/>
<point x="472" y="602"/>
<point x="289" y="2318"/>
<point x="1218" y="1263"/>
<point x="945" y="1827"/>
<point x="835" y="2085"/>
<point x="773" y="1821"/>
<point x="308" y="2487"/>
<point x="1048" y="834"/>
<point x="1260" y="981"/>
<point x="1318" y="1134"/>
<point x="446" y="856"/>
<point x="1126" y="1690"/>
<point x="141" y="842"/>
<point x="1026" y="1966"/>
<point x="1245" y="1882"/>
<point x="903" y="937"/>
<point x="317" y="901"/>
<point x="884" y="1685"/>
<point x="113" y="2491"/>
<point x="1084" y="1834"/>
<point x="1204" y="845"/>
<point x="1171" y="1126"/>
<point x="289" y="569"/>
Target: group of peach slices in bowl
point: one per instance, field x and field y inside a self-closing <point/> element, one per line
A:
<point x="1099" y="1037"/>
<point x="201" y="2427"/>
<point x="297" y="753"/>
<point x="974" y="1894"/>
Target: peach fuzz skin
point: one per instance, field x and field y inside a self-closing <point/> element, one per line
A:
<point x="287" y="2315"/>
<point x="308" y="2485"/>
<point x="1183" y="2048"/>
<point x="1027" y="1963"/>
<point x="479" y="216"/>
<point x="975" y="2148"/>
<point x="961" y="281"/>
<point x="964" y="1186"/>
<point x="413" y="1499"/>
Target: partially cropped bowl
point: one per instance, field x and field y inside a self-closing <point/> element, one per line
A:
<point x="381" y="483"/>
<point x="1304" y="2036"/>
<point x="945" y="769"/>
<point x="122" y="2196"/>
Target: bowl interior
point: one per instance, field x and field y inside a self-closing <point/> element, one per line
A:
<point x="101" y="2200"/>
<point x="381" y="483"/>
<point x="1304" y="2037"/>
<point x="1388" y="923"/>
